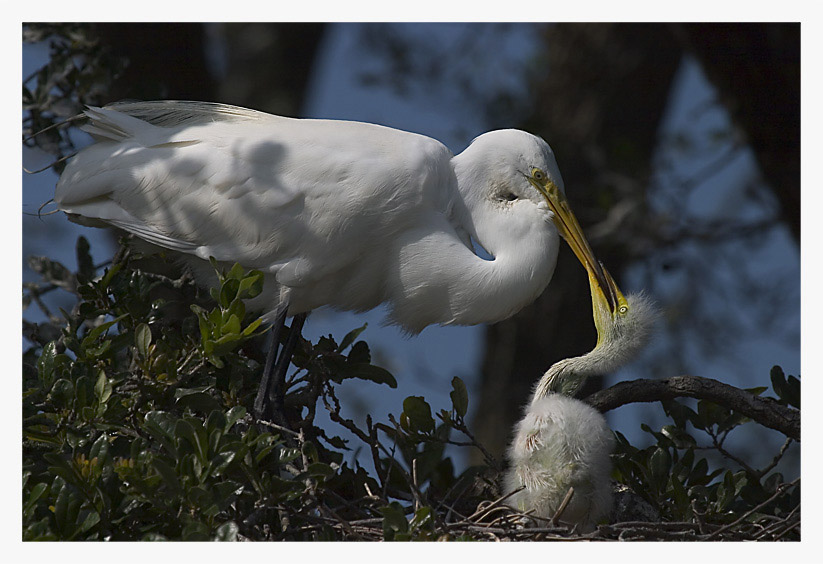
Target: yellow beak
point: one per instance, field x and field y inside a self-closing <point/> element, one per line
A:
<point x="602" y="299"/>
<point x="570" y="230"/>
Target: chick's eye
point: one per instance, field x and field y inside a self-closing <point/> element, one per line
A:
<point x="508" y="197"/>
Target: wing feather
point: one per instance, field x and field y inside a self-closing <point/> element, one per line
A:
<point x="269" y="192"/>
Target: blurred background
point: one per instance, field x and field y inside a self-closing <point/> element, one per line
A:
<point x="679" y="145"/>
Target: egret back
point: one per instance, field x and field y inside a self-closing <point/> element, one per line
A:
<point x="302" y="200"/>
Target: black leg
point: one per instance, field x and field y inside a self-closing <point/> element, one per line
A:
<point x="263" y="390"/>
<point x="278" y="384"/>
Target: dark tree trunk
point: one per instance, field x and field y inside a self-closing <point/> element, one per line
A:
<point x="165" y="61"/>
<point x="602" y="93"/>
<point x="269" y="65"/>
<point x="756" y="70"/>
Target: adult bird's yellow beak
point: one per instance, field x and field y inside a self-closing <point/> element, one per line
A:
<point x="570" y="230"/>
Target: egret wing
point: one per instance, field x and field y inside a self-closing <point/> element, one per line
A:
<point x="298" y="198"/>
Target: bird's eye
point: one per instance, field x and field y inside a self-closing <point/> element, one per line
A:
<point x="509" y="196"/>
<point x="538" y="174"/>
<point x="623" y="310"/>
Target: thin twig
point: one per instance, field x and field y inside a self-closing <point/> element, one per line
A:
<point x="778" y="491"/>
<point x="563" y="505"/>
<point x="484" y="508"/>
<point x="776" y="459"/>
<point x="718" y="445"/>
<point x="265" y="423"/>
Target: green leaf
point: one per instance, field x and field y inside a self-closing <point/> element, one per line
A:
<point x="369" y="372"/>
<point x="679" y="495"/>
<point x="96" y="352"/>
<point x="167" y="473"/>
<point x="66" y="511"/>
<point x="679" y="413"/>
<point x="192" y="431"/>
<point x="725" y="497"/>
<point x="226" y="343"/>
<point x="459" y="397"/>
<point x="287" y="455"/>
<point x="710" y="414"/>
<point x="234" y="415"/>
<point x="350" y="337"/>
<point x="92" y="335"/>
<point x="793" y="392"/>
<point x="252" y="327"/>
<point x="698" y="475"/>
<point x="678" y="436"/>
<point x="215" y="317"/>
<point x="142" y="339"/>
<point x="320" y="470"/>
<point x="62" y="392"/>
<point x="215" y="424"/>
<point x="228" y="291"/>
<point x="35" y="494"/>
<point x="251" y="285"/>
<point x="227" y="532"/>
<point x="236" y="273"/>
<point x="778" y="379"/>
<point x="732" y="421"/>
<point x="102" y="388"/>
<point x="197" y="400"/>
<point x="221" y="461"/>
<point x="109" y="274"/>
<point x="232" y="325"/>
<point x="100" y="450"/>
<point x="394" y="520"/>
<point x="60" y="467"/>
<point x="90" y="520"/>
<point x="195" y="531"/>
<point x="659" y="464"/>
<point x="45" y="364"/>
<point x="309" y="450"/>
<point x="422" y="517"/>
<point x="161" y="425"/>
<point x="419" y="414"/>
<point x="359" y="353"/>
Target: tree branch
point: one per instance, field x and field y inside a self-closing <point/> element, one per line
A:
<point x="765" y="411"/>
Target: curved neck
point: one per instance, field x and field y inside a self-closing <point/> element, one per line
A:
<point x="519" y="271"/>
<point x="568" y="375"/>
<point x="615" y="347"/>
<point x="445" y="283"/>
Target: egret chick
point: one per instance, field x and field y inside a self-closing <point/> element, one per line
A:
<point x="562" y="443"/>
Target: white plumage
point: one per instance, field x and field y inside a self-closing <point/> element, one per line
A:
<point x="337" y="213"/>
<point x="562" y="443"/>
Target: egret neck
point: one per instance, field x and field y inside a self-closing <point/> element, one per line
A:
<point x="622" y="330"/>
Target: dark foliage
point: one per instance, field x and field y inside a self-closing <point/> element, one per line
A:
<point x="136" y="426"/>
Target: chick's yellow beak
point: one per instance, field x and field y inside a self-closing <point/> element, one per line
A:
<point x="570" y="230"/>
<point x="603" y="296"/>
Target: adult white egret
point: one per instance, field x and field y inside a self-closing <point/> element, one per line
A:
<point x="335" y="213"/>
<point x="561" y="442"/>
